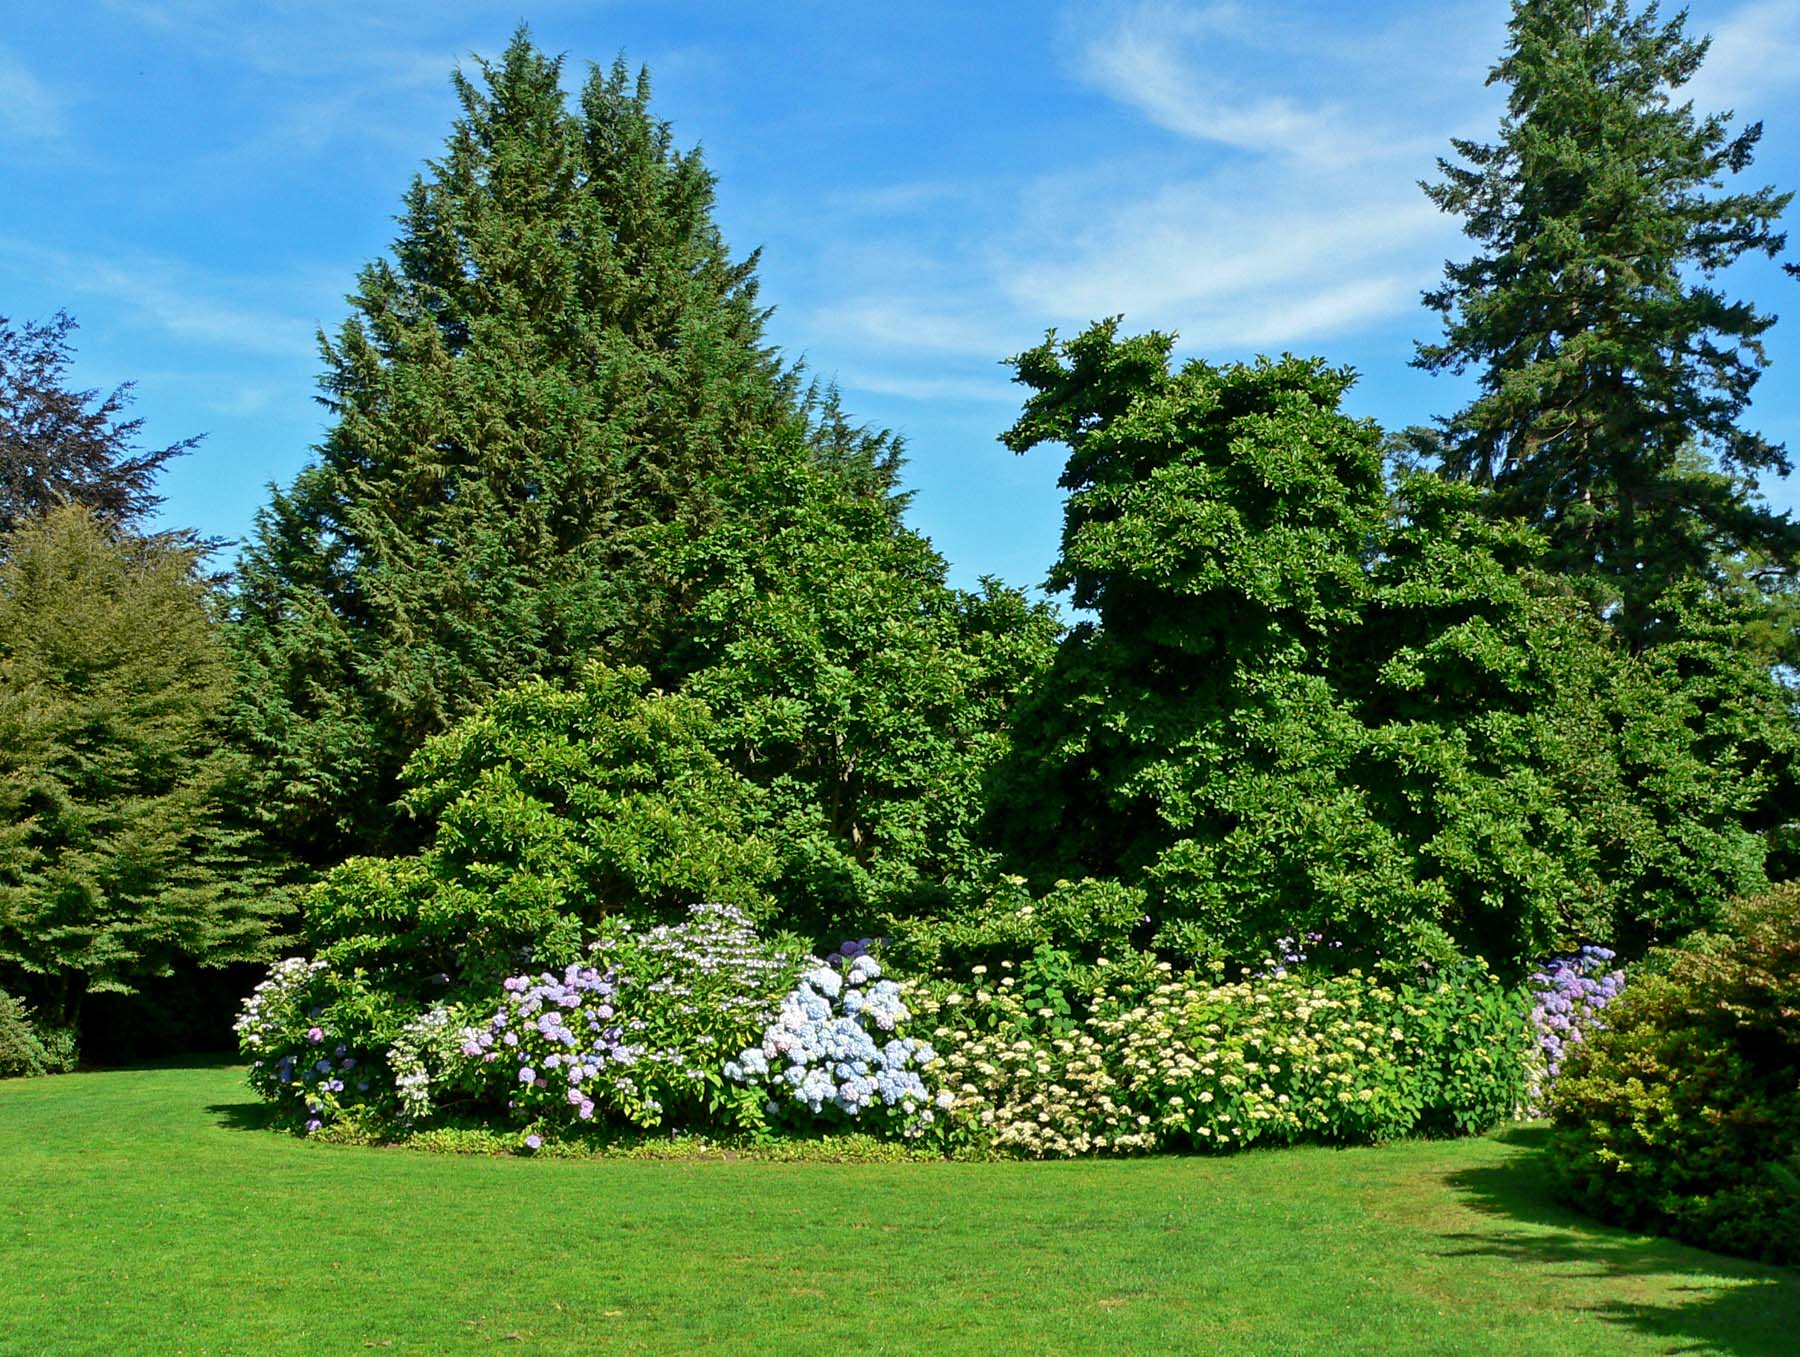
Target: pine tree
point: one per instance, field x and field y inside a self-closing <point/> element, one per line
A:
<point x="1612" y="369"/>
<point x="559" y="361"/>
<point x="117" y="858"/>
<point x="59" y="445"/>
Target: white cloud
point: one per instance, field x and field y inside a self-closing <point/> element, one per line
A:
<point x="29" y="110"/>
<point x="1153" y="59"/>
<point x="1755" y="54"/>
<point x="916" y="323"/>
<point x="1242" y="258"/>
<point x="1282" y="212"/>
<point x="184" y="302"/>
<point x="933" y="389"/>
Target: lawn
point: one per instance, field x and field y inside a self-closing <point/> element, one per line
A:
<point x="144" y="1212"/>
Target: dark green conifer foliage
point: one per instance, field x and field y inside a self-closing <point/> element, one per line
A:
<point x="559" y="359"/>
<point x="116" y="858"/>
<point x="1613" y="369"/>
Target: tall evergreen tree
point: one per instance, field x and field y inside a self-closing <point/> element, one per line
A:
<point x="559" y="360"/>
<point x="1613" y="370"/>
<point x="117" y="858"/>
<point x="60" y="445"/>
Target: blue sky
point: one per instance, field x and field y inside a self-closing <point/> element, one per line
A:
<point x="933" y="184"/>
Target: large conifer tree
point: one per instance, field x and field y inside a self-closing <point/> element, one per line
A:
<point x="117" y="859"/>
<point x="1613" y="371"/>
<point x="558" y="361"/>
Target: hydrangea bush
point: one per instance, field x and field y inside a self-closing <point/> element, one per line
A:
<point x="297" y="1060"/>
<point x="1194" y="1062"/>
<point x="836" y="1051"/>
<point x="1569" y="993"/>
<point x="704" y="1026"/>
<point x="557" y="1045"/>
<point x="696" y="992"/>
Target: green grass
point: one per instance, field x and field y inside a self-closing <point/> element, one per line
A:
<point x="145" y="1212"/>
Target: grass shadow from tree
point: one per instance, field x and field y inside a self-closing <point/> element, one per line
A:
<point x="1671" y="1291"/>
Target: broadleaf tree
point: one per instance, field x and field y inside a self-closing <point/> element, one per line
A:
<point x="1308" y="702"/>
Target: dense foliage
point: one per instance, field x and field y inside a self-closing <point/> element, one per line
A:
<point x="552" y="810"/>
<point x="1681" y="1113"/>
<point x="1612" y="370"/>
<point x="701" y="1026"/>
<point x="117" y="856"/>
<point x="559" y="360"/>
<point x="850" y="682"/>
<point x="1307" y="702"/>
<point x="25" y="1049"/>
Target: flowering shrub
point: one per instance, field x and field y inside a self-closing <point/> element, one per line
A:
<point x="297" y="1061"/>
<point x="1681" y="1113"/>
<point x="835" y="1045"/>
<point x="695" y="992"/>
<point x="703" y="1025"/>
<point x="558" y="1047"/>
<point x="1569" y="994"/>
<point x="427" y="1056"/>
<point x="1191" y="1062"/>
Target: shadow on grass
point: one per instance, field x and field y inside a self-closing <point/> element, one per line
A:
<point x="1727" y="1305"/>
<point x="251" y="1115"/>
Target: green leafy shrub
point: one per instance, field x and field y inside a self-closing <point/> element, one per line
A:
<point x="27" y="1049"/>
<point x="550" y="811"/>
<point x="1006" y="921"/>
<point x="1682" y="1113"/>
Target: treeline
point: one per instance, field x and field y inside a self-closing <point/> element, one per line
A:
<point x="590" y="604"/>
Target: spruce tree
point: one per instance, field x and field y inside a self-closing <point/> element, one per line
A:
<point x="1613" y="370"/>
<point x="559" y="360"/>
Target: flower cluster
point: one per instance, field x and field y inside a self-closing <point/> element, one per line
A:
<point x="696" y="991"/>
<point x="852" y="948"/>
<point x="1195" y="1062"/>
<point x="1291" y="952"/>
<point x="296" y="1061"/>
<point x="1016" y="1087"/>
<point x="559" y="1046"/>
<point x="1569" y="994"/>
<point x="835" y="1044"/>
<point x="428" y="1045"/>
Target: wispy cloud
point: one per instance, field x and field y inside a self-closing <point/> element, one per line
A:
<point x="176" y="298"/>
<point x="333" y="71"/>
<point x="1281" y="208"/>
<point x="1152" y="59"/>
<point x="1755" y="53"/>
<point x="936" y="390"/>
<point x="30" y="111"/>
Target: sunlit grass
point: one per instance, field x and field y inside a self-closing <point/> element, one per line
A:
<point x="144" y="1212"/>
